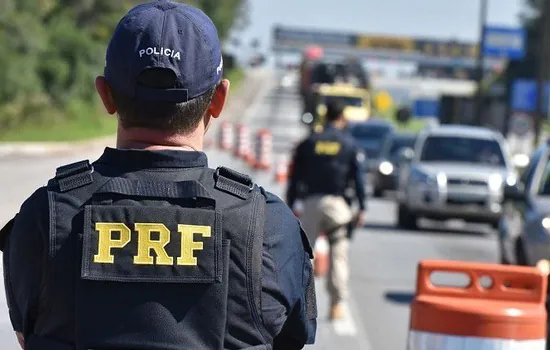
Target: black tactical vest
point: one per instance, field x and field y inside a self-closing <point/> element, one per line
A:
<point x="155" y="264"/>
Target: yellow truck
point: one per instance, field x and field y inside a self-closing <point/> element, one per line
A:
<point x="357" y="101"/>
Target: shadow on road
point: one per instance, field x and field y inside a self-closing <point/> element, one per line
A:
<point x="399" y="297"/>
<point x="437" y="230"/>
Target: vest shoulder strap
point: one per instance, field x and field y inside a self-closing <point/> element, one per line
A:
<point x="233" y="182"/>
<point x="72" y="176"/>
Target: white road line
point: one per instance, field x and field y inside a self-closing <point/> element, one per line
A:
<point x="362" y="338"/>
<point x="345" y="326"/>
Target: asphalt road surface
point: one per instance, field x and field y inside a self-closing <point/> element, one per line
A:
<point x="383" y="258"/>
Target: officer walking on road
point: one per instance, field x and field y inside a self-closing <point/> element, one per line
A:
<point x="325" y="164"/>
<point x="147" y="247"/>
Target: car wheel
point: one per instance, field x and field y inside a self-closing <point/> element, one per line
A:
<point x="378" y="193"/>
<point x="405" y="218"/>
<point x="521" y="259"/>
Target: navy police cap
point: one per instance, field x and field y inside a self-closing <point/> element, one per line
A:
<point x="164" y="34"/>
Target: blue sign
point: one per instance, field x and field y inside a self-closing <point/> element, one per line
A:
<point x="425" y="108"/>
<point x="503" y="42"/>
<point x="524" y="95"/>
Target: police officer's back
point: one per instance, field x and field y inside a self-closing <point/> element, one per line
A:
<point x="148" y="248"/>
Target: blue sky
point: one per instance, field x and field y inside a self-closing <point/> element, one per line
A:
<point x="444" y="19"/>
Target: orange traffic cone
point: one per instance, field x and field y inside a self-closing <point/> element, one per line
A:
<point x="321" y="255"/>
<point x="226" y="137"/>
<point x="264" y="147"/>
<point x="502" y="307"/>
<point x="281" y="171"/>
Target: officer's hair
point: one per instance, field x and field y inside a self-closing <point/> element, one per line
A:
<point x="171" y="117"/>
<point x="335" y="109"/>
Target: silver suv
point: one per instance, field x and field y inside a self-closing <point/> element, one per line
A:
<point x="454" y="172"/>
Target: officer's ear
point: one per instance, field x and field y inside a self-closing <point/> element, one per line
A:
<point x="104" y="91"/>
<point x="219" y="99"/>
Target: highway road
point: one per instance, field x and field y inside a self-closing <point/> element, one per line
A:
<point x="383" y="259"/>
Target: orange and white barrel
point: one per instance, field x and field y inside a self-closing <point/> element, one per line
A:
<point x="264" y="150"/>
<point x="321" y="255"/>
<point x="242" y="149"/>
<point x="502" y="307"/>
<point x="225" y="141"/>
<point x="281" y="170"/>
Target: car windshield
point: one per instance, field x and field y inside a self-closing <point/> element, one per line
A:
<point x="462" y="150"/>
<point x="346" y="100"/>
<point x="370" y="138"/>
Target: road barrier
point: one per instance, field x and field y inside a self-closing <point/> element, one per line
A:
<point x="264" y="150"/>
<point x="242" y="149"/>
<point x="321" y="255"/>
<point x="281" y="170"/>
<point x="502" y="307"/>
<point x="226" y="137"/>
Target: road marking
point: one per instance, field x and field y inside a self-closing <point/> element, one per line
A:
<point x="345" y="326"/>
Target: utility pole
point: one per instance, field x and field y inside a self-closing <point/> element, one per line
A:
<point x="544" y="36"/>
<point x="478" y="103"/>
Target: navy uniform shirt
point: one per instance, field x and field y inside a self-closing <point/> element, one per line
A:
<point x="285" y="264"/>
<point x="327" y="162"/>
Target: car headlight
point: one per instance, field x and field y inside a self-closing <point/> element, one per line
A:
<point x="386" y="168"/>
<point x="441" y="179"/>
<point x="546" y="223"/>
<point x="423" y="178"/>
<point x="495" y="182"/>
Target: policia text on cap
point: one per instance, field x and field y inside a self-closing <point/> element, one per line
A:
<point x="325" y="165"/>
<point x="148" y="248"/>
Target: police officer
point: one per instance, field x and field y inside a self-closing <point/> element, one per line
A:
<point x="325" y="164"/>
<point x="147" y="247"/>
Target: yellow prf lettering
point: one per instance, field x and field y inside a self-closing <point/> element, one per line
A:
<point x="327" y="148"/>
<point x="188" y="245"/>
<point x="146" y="244"/>
<point x="106" y="241"/>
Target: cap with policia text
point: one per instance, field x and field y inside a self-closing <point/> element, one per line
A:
<point x="164" y="34"/>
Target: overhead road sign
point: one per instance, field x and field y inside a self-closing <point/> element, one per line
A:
<point x="504" y="42"/>
<point x="524" y="96"/>
<point x="420" y="50"/>
<point x="425" y="108"/>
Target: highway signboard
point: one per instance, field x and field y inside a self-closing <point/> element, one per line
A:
<point x="523" y="97"/>
<point x="425" y="50"/>
<point x="425" y="108"/>
<point x="504" y="42"/>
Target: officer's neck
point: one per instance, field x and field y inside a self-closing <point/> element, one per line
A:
<point x="146" y="139"/>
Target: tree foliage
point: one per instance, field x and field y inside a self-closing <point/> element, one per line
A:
<point x="52" y="50"/>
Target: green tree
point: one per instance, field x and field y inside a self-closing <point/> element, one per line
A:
<point x="52" y="50"/>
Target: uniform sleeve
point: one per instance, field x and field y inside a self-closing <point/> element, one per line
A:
<point x="295" y="176"/>
<point x="288" y="289"/>
<point x="358" y="164"/>
<point x="22" y="259"/>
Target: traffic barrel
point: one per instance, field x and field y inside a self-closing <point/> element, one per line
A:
<point x="242" y="149"/>
<point x="281" y="170"/>
<point x="502" y="307"/>
<point x="321" y="255"/>
<point x="264" y="150"/>
<point x="225" y="140"/>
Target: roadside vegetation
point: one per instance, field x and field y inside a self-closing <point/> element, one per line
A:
<point x="50" y="54"/>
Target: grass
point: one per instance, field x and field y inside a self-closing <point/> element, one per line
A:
<point x="73" y="130"/>
<point x="86" y="126"/>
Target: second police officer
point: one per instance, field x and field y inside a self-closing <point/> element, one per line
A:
<point x="147" y="247"/>
<point x="325" y="166"/>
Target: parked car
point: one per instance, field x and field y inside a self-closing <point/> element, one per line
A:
<point x="524" y="230"/>
<point x="370" y="136"/>
<point x="455" y="172"/>
<point x="387" y="171"/>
